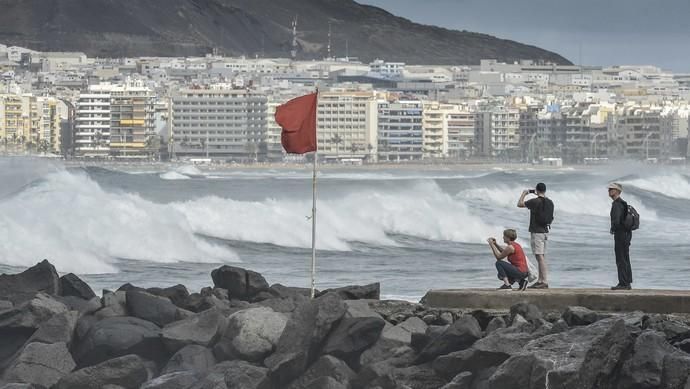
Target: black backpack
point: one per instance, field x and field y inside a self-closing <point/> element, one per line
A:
<point x="631" y="219"/>
<point x="544" y="214"/>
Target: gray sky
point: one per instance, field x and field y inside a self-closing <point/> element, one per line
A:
<point x="609" y="32"/>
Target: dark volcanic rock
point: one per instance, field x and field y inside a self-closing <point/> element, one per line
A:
<point x="243" y="375"/>
<point x="74" y="286"/>
<point x="240" y="283"/>
<point x="41" y="364"/>
<point x="22" y="287"/>
<point x="190" y="358"/>
<point x="458" y="336"/>
<point x="560" y="356"/>
<point x="418" y="376"/>
<point x="244" y="27"/>
<point x="326" y="366"/>
<point x="460" y="381"/>
<point x="598" y="369"/>
<point x="352" y="336"/>
<point x="156" y="309"/>
<point x="395" y="311"/>
<point x="645" y="367"/>
<point x="357" y="292"/>
<point x="128" y="371"/>
<point x="303" y="336"/>
<point x="529" y="311"/>
<point x="119" y="336"/>
<point x="676" y="371"/>
<point x="59" y="328"/>
<point x="325" y="383"/>
<point x="203" y="329"/>
<point x="251" y="334"/>
<point x="177" y="294"/>
<point x="487" y="352"/>
<point x="177" y="380"/>
<point x="579" y="316"/>
<point x="32" y="313"/>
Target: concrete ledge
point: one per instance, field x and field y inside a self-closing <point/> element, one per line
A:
<point x="646" y="300"/>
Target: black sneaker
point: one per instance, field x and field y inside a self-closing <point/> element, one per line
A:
<point x="523" y="285"/>
<point x="539" y="285"/>
<point x="504" y="286"/>
<point x="621" y="287"/>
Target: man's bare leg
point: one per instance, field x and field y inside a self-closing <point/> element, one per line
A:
<point x="542" y="269"/>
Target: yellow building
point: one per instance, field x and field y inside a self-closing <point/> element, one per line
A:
<point x="30" y="124"/>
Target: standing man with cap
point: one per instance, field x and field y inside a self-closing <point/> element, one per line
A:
<point x="621" y="237"/>
<point x="540" y="218"/>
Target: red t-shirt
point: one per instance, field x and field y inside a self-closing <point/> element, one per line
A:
<point x="517" y="258"/>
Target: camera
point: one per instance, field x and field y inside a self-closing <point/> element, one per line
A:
<point x="532" y="191"/>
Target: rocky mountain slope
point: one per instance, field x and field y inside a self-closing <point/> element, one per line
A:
<point x="111" y="28"/>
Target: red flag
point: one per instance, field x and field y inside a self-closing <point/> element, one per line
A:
<point x="297" y="118"/>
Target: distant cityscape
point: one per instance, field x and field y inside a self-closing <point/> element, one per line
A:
<point x="217" y="108"/>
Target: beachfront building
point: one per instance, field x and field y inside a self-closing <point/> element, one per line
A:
<point x="92" y="124"/>
<point x="116" y="121"/>
<point x="400" y="131"/>
<point x="347" y="125"/>
<point x="505" y="131"/>
<point x="219" y="123"/>
<point x="435" y="129"/>
<point x="635" y="132"/>
<point x="30" y="124"/>
<point x="132" y="127"/>
<point x="461" y="124"/>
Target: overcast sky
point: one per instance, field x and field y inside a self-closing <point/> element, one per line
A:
<point x="605" y="32"/>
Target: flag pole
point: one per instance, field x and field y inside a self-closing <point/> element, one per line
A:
<point x="313" y="215"/>
<point x="313" y="227"/>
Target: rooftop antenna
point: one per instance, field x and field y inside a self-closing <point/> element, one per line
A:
<point x="293" y="53"/>
<point x="329" y="39"/>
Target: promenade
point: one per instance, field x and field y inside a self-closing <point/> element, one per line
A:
<point x="646" y="300"/>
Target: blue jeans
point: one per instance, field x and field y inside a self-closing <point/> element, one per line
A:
<point x="506" y="269"/>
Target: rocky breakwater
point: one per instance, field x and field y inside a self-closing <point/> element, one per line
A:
<point x="242" y="333"/>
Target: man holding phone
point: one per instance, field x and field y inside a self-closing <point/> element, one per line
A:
<point x="541" y="215"/>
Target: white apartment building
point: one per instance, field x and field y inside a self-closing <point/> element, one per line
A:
<point x="505" y="130"/>
<point x="461" y="125"/>
<point x="221" y="123"/>
<point x="384" y="68"/>
<point x="92" y="124"/>
<point x="347" y="126"/>
<point x="115" y="120"/>
<point x="400" y="131"/>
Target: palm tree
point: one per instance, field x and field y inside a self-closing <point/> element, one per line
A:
<point x="337" y="140"/>
<point x="353" y="149"/>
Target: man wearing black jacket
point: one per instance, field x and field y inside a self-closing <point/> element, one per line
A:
<point x="621" y="237"/>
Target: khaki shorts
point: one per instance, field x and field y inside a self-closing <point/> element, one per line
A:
<point x="538" y="242"/>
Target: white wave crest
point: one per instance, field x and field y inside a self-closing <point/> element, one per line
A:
<point x="423" y="211"/>
<point x="589" y="202"/>
<point x="173" y="176"/>
<point x="671" y="185"/>
<point x="81" y="228"/>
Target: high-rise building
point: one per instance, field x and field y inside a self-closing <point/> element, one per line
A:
<point x="92" y="124"/>
<point x="400" y="131"/>
<point x="30" y="124"/>
<point x="221" y="123"/>
<point x="346" y="123"/>
<point x="462" y="142"/>
<point x="116" y="121"/>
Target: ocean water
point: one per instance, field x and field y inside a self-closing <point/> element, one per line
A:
<point x="412" y="229"/>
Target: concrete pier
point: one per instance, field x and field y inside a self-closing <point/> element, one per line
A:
<point x="604" y="300"/>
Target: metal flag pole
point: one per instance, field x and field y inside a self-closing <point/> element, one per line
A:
<point x="313" y="228"/>
<point x="313" y="212"/>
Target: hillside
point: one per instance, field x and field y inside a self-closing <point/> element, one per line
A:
<point x="113" y="28"/>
